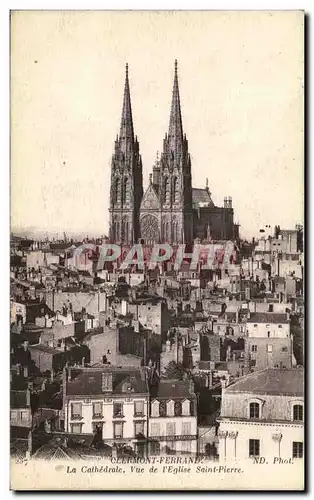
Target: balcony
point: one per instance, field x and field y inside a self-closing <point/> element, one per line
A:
<point x="76" y="416"/>
<point x="97" y="416"/>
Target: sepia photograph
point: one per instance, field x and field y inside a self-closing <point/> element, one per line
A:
<point x="157" y="250"/>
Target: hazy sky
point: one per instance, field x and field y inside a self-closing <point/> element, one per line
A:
<point x="241" y="86"/>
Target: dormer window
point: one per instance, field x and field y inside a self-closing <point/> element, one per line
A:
<point x="155" y="409"/>
<point x="186" y="407"/>
<point x="170" y="409"/>
<point x="254" y="410"/>
<point x="178" y="409"/>
<point x="298" y="413"/>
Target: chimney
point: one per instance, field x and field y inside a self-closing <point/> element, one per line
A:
<point x="228" y="354"/>
<point x="223" y="383"/>
<point x="145" y="349"/>
<point x="29" y="451"/>
<point x="25" y="371"/>
<point x="191" y="386"/>
<point x="64" y="385"/>
<point x="28" y="397"/>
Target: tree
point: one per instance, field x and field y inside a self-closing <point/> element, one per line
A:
<point x="174" y="370"/>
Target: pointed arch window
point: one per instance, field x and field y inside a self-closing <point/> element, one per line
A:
<point x="173" y="231"/>
<point x="125" y="189"/>
<point x="178" y="232"/>
<point x="117" y="190"/>
<point x="122" y="231"/>
<point x="166" y="232"/>
<point x="126" y="231"/>
<point x="166" y="190"/>
<point x="114" y="230"/>
<point x="176" y="189"/>
<point x="118" y="231"/>
<point x="164" y="237"/>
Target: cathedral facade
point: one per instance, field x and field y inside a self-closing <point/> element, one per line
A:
<point x="170" y="210"/>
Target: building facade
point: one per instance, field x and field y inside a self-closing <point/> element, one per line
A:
<point x="173" y="419"/>
<point x="269" y="343"/>
<point x="262" y="416"/>
<point x="170" y="210"/>
<point x="109" y="401"/>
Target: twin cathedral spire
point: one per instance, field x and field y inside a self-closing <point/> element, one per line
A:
<point x="164" y="212"/>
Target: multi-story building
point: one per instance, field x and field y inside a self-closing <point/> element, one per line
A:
<point x="173" y="419"/>
<point x="21" y="414"/>
<point x="269" y="342"/>
<point x="21" y="422"/>
<point x="110" y="401"/>
<point x="262" y="416"/>
<point x="151" y="312"/>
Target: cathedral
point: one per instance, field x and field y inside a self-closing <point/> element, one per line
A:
<point x="170" y="210"/>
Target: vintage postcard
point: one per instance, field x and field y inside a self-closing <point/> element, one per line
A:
<point x="156" y="273"/>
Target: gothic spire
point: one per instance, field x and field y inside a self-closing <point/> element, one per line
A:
<point x="175" y="135"/>
<point x="126" y="128"/>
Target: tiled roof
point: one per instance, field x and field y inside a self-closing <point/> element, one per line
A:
<point x="50" y="452"/>
<point x="44" y="348"/>
<point x="88" y="381"/>
<point x="18" y="448"/>
<point x="268" y="318"/>
<point x="201" y="195"/>
<point x="72" y="451"/>
<point x="173" y="389"/>
<point x="275" y="381"/>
